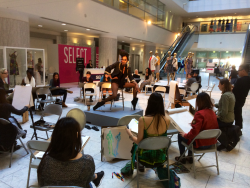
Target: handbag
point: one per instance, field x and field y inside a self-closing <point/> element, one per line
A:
<point x="174" y="182"/>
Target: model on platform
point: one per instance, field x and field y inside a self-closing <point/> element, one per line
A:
<point x="121" y="71"/>
<point x="175" y="65"/>
<point x="169" y="67"/>
<point x="157" y="67"/>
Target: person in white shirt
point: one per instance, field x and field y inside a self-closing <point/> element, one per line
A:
<point x="152" y="61"/>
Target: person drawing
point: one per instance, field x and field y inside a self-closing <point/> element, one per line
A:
<point x="110" y="139"/>
<point x="118" y="138"/>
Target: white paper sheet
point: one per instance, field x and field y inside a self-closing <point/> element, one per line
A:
<point x="176" y="110"/>
<point x="116" y="143"/>
<point x="182" y="121"/>
<point x="22" y="97"/>
<point x="40" y="154"/>
<point x="192" y="102"/>
<point x="133" y="125"/>
<point x="85" y="140"/>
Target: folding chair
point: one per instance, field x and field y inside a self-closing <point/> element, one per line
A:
<point x="54" y="109"/>
<point x="89" y="86"/>
<point x="47" y="92"/>
<point x="161" y="89"/>
<point x="207" y="134"/>
<point x="209" y="90"/>
<point x="154" y="143"/>
<point x="125" y="120"/>
<point x="7" y="127"/>
<point x="34" y="146"/>
<point x="121" y="97"/>
<point x="151" y="86"/>
<point x="105" y="85"/>
<point x="194" y="87"/>
<point x="79" y="116"/>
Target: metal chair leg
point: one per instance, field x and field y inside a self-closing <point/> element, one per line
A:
<point x="193" y="163"/>
<point x="201" y="156"/>
<point x="122" y="100"/>
<point x="137" y="170"/>
<point x="47" y="135"/>
<point x="12" y="150"/>
<point x="28" y="179"/>
<point x="216" y="156"/>
<point x="23" y="145"/>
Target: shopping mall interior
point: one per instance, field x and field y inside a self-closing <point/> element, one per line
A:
<point x="55" y="57"/>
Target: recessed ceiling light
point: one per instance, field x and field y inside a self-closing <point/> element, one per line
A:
<point x="170" y="11"/>
<point x="188" y="18"/>
<point x="140" y="41"/>
<point x="130" y="38"/>
<point x="234" y="13"/>
<point x="196" y="16"/>
<point x="63" y="24"/>
<point x="87" y="29"/>
<point x="66" y="30"/>
<point x="122" y="41"/>
<point x="40" y="25"/>
<point x="149" y="22"/>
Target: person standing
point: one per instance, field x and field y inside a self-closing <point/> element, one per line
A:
<point x="240" y="91"/>
<point x="234" y="75"/>
<point x="89" y="66"/>
<point x="179" y="64"/>
<point x="152" y="61"/>
<point x="157" y="67"/>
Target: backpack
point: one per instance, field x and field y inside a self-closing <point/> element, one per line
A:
<point x="230" y="136"/>
<point x="174" y="182"/>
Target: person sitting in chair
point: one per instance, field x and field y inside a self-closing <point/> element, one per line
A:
<point x="198" y="80"/>
<point x="105" y="79"/>
<point x="121" y="71"/>
<point x="29" y="79"/>
<point x="204" y="119"/>
<point x="85" y="80"/>
<point x="55" y="83"/>
<point x="63" y="163"/>
<point x="6" y="109"/>
<point x="153" y="124"/>
<point x="4" y="85"/>
<point x="189" y="82"/>
<point x="148" y="78"/>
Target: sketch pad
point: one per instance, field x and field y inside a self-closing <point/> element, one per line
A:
<point x="182" y="121"/>
<point x="133" y="125"/>
<point x="22" y="97"/>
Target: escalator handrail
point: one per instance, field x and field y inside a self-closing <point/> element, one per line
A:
<point x="179" y="37"/>
<point x="244" y="49"/>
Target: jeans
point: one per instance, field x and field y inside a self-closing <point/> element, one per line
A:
<point x="233" y="81"/>
<point x="182" y="147"/>
<point x="60" y="92"/>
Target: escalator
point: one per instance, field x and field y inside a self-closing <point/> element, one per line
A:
<point x="246" y="49"/>
<point x="180" y="44"/>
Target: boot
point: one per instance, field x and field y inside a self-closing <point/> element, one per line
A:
<point x="117" y="97"/>
<point x="90" y="99"/>
<point x="103" y="97"/>
<point x="64" y="105"/>
<point x="134" y="102"/>
<point x="99" y="104"/>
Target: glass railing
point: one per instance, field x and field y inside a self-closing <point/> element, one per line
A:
<point x="223" y="28"/>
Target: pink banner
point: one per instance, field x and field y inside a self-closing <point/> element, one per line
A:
<point x="67" y="61"/>
<point x="97" y="57"/>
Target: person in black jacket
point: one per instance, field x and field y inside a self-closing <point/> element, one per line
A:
<point x="240" y="91"/>
<point x="234" y="75"/>
<point x="85" y="80"/>
<point x="6" y="109"/>
<point x="198" y="80"/>
<point x="90" y="66"/>
<point x="121" y="71"/>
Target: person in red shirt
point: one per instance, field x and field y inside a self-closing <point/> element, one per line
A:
<point x="204" y="119"/>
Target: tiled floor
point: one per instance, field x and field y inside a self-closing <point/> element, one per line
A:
<point x="234" y="165"/>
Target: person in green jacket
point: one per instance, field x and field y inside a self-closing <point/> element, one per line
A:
<point x="225" y="114"/>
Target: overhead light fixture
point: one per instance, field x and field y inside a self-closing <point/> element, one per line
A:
<point x="130" y="38"/>
<point x="240" y="51"/>
<point x="65" y="30"/>
<point x="121" y="1"/>
<point x="40" y="25"/>
<point x="213" y="51"/>
<point x="197" y="16"/>
<point x="149" y="22"/>
<point x="234" y="13"/>
<point x="87" y="29"/>
<point x="63" y="24"/>
<point x="140" y="41"/>
<point x="226" y="51"/>
<point x="189" y="18"/>
<point x="170" y="11"/>
<point x="122" y="41"/>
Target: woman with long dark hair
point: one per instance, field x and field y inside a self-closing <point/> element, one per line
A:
<point x="55" y="83"/>
<point x="5" y="112"/>
<point x="148" y="78"/>
<point x="204" y="119"/>
<point x="63" y="163"/>
<point x="153" y="124"/>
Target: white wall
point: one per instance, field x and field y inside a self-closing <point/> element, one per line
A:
<point x="228" y="42"/>
<point x="95" y="15"/>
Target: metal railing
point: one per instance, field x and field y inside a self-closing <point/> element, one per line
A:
<point x="244" y="49"/>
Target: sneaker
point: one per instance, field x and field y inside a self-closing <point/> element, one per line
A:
<point x="95" y="128"/>
<point x="98" y="180"/>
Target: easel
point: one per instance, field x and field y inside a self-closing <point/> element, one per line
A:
<point x="174" y="96"/>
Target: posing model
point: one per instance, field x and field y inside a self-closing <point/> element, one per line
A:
<point x="157" y="67"/>
<point x="121" y="71"/>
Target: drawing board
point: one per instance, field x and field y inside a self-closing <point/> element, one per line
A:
<point x="173" y="92"/>
<point x="116" y="143"/>
<point x="22" y="97"/>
